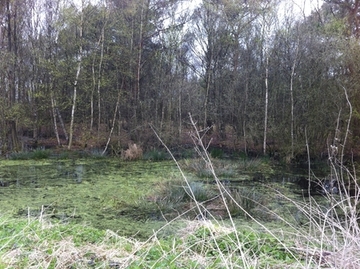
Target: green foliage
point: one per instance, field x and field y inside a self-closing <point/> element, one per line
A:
<point x="12" y="231"/>
<point x="317" y="50"/>
<point x="40" y="154"/>
<point x="186" y="154"/>
<point x="197" y="190"/>
<point x="156" y="155"/>
<point x="178" y="196"/>
<point x="31" y="155"/>
<point x="205" y="241"/>
<point x="97" y="153"/>
<point x="241" y="155"/>
<point x="42" y="238"/>
<point x="248" y="199"/>
<point x="217" y="153"/>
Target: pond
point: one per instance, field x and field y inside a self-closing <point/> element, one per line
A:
<point x="132" y="198"/>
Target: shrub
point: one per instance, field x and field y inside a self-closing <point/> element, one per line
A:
<point x="217" y="153"/>
<point x="40" y="154"/>
<point x="175" y="197"/>
<point x="35" y="155"/>
<point x="156" y="155"/>
<point x="97" y="153"/>
<point x="134" y="152"/>
<point x="197" y="190"/>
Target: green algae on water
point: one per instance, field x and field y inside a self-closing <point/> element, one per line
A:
<point x="106" y="193"/>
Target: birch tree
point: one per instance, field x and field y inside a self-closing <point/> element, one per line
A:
<point x="78" y="69"/>
<point x="266" y="33"/>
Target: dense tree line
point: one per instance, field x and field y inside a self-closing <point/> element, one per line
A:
<point x="98" y="74"/>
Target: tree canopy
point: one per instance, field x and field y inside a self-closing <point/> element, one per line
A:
<point x="98" y="74"/>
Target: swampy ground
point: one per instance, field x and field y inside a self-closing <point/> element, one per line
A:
<point x="109" y="213"/>
<point x="105" y="193"/>
<point x="136" y="198"/>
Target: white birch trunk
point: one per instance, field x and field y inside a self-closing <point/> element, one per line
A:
<point x="71" y="132"/>
<point x="266" y="101"/>
<point x="53" y="109"/>
<point x="92" y="96"/>
<point x="292" y="109"/>
<point x="292" y="98"/>
<point x="99" y="75"/>
<point x="113" y="125"/>
<point x="138" y="71"/>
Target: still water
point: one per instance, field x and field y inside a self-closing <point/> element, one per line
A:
<point x="128" y="197"/>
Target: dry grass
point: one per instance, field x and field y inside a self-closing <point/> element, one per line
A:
<point x="328" y="235"/>
<point x="40" y="244"/>
<point x="134" y="152"/>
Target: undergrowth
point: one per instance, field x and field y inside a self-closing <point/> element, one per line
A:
<point x="40" y="243"/>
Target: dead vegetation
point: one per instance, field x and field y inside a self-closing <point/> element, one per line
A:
<point x="134" y="152"/>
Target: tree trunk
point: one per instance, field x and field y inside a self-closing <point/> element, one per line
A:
<point x="62" y="123"/>
<point x="113" y="124"/>
<point x="101" y="42"/>
<point x="292" y="108"/>
<point x="244" y="125"/>
<point x="266" y="101"/>
<point x="292" y="97"/>
<point x="14" y="143"/>
<point x="140" y="47"/>
<point x="207" y="91"/>
<point x="71" y="132"/>
<point x="53" y="109"/>
<point x="92" y="95"/>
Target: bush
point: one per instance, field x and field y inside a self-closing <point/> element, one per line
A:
<point x="31" y="155"/>
<point x="134" y="152"/>
<point x="97" y="153"/>
<point x="175" y="197"/>
<point x="156" y="155"/>
<point x="197" y="190"/>
<point x="217" y="153"/>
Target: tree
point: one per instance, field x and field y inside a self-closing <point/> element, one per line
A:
<point x="78" y="69"/>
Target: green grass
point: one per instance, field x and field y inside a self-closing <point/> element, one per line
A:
<point x="326" y="236"/>
<point x="41" y="243"/>
<point x="31" y="155"/>
<point x="156" y="155"/>
<point x="326" y="240"/>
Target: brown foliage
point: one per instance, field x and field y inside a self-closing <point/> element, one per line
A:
<point x="134" y="152"/>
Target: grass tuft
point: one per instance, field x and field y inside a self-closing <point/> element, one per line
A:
<point x="156" y="155"/>
<point x="38" y="154"/>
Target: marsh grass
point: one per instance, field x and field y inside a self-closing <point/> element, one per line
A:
<point x="329" y="239"/>
<point x="39" y="243"/>
<point x="326" y="237"/>
<point x="156" y="155"/>
<point x="224" y="168"/>
<point x="31" y="155"/>
<point x="248" y="198"/>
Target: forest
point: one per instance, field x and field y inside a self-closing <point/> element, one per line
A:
<point x="255" y="75"/>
